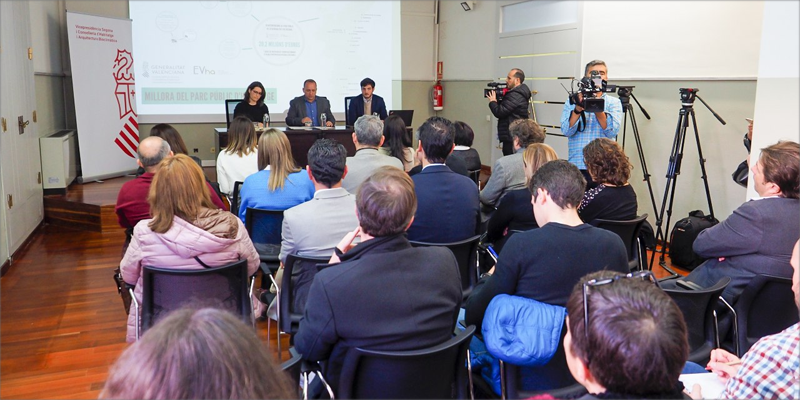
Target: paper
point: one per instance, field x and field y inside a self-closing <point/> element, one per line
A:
<point x="710" y="384"/>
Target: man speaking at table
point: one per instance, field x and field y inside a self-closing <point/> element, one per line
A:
<point x="308" y="108"/>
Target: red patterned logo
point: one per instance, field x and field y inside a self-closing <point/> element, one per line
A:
<point x="125" y="92"/>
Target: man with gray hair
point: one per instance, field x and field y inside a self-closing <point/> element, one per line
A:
<point x="132" y="205"/>
<point x="368" y="137"/>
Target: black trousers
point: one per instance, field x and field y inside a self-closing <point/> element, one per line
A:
<point x="508" y="146"/>
<point x="589" y="182"/>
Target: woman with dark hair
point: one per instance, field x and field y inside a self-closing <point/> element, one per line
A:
<point x="397" y="141"/>
<point x="185" y="227"/>
<point x="613" y="198"/>
<point x="252" y="105"/>
<point x="239" y="159"/>
<point x="625" y="338"/>
<point x="197" y="354"/>
<point x="463" y="150"/>
<point x="279" y="184"/>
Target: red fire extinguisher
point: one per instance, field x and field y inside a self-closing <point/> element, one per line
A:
<point x="438" y="96"/>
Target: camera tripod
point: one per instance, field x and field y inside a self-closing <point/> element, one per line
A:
<point x="625" y="94"/>
<point x="674" y="168"/>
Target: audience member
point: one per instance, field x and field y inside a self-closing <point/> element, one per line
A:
<point x="508" y="173"/>
<point x="313" y="229"/>
<point x="771" y="368"/>
<point x="176" y="144"/>
<point x="397" y="141"/>
<point x="545" y="263"/>
<point x="383" y="294"/>
<point x="368" y="137"/>
<point x="625" y="338"/>
<point x="448" y="208"/>
<point x="252" y="105"/>
<point x="197" y="354"/>
<point x="758" y="236"/>
<point x="464" y="136"/>
<point x="185" y="229"/>
<point x="515" y="213"/>
<point x="613" y="198"/>
<point x="279" y="184"/>
<point x="239" y="159"/>
<point x="132" y="205"/>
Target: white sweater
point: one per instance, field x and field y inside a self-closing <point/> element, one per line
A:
<point x="232" y="168"/>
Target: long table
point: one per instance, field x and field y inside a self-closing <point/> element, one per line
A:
<point x="301" y="139"/>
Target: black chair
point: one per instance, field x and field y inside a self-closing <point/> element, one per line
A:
<point x="437" y="372"/>
<point x="347" y="119"/>
<point x="466" y="253"/>
<point x="289" y="314"/>
<point x="628" y="231"/>
<point x="292" y="367"/>
<point x="165" y="290"/>
<point x="264" y="227"/>
<point x="765" y="307"/>
<point x="475" y="175"/>
<point x="230" y="105"/>
<point x="698" y="307"/>
<point x="237" y="188"/>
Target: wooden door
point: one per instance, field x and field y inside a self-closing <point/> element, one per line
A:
<point x="20" y="165"/>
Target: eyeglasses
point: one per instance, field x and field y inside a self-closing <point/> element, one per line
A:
<point x="642" y="275"/>
<point x="257" y="91"/>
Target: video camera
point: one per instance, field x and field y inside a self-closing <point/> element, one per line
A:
<point x="588" y="87"/>
<point x="688" y="95"/>
<point x="500" y="89"/>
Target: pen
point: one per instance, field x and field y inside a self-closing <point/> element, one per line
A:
<point x="732" y="363"/>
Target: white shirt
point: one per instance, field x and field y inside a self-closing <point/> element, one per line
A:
<point x="232" y="168"/>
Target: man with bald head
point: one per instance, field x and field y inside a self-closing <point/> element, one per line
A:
<point x="132" y="205"/>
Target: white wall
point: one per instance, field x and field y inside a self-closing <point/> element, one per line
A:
<point x="778" y="83"/>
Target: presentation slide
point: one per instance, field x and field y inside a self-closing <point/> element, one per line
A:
<point x="190" y="56"/>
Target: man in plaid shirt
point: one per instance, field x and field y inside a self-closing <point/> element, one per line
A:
<point x="581" y="127"/>
<point x="771" y="368"/>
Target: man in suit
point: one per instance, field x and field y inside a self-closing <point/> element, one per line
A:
<point x="383" y="294"/>
<point x="313" y="228"/>
<point x="448" y="208"/>
<point x="368" y="137"/>
<point x="509" y="172"/>
<point x="309" y="107"/>
<point x="367" y="104"/>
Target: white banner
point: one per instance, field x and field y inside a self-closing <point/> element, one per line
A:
<point x="100" y="50"/>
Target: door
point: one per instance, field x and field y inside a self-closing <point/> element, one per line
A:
<point x="20" y="166"/>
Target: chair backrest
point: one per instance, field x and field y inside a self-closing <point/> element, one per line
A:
<point x="766" y="306"/>
<point x="347" y="119"/>
<point x="230" y="105"/>
<point x="297" y="271"/>
<point x="437" y="372"/>
<point x="264" y="226"/>
<point x="466" y="253"/>
<point x="628" y="231"/>
<point x="475" y="175"/>
<point x="166" y="289"/>
<point x="235" y="201"/>
<point x="697" y="307"/>
<point x="292" y="367"/>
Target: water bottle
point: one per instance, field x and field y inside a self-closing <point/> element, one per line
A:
<point x="266" y="120"/>
<point x="324" y="119"/>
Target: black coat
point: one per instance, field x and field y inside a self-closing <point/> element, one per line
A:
<point x="514" y="106"/>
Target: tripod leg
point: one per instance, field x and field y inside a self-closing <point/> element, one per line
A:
<point x="703" y="167"/>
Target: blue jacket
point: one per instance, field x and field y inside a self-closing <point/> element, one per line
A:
<point x="357" y="108"/>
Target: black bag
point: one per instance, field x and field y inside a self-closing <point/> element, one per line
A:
<point x="740" y="175"/>
<point x="682" y="238"/>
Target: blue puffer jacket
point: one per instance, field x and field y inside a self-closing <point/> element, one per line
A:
<point x="519" y="331"/>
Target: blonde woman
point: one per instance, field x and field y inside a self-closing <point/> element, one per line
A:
<point x="185" y="225"/>
<point x="515" y="211"/>
<point x="279" y="184"/>
<point x="240" y="158"/>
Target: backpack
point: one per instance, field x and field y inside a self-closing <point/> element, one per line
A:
<point x="682" y="238"/>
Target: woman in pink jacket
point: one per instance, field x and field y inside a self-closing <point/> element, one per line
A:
<point x="185" y="224"/>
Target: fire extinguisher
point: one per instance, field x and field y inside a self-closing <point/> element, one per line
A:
<point x="438" y="96"/>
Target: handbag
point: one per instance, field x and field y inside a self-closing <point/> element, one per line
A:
<point x="740" y="175"/>
<point x="123" y="290"/>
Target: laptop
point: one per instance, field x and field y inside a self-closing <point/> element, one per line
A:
<point x="405" y="115"/>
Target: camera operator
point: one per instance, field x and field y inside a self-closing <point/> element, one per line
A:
<point x="583" y="127"/>
<point x="513" y="106"/>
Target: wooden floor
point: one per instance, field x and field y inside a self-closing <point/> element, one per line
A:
<point x="62" y="323"/>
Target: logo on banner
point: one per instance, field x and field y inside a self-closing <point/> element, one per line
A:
<point x="128" y="137"/>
